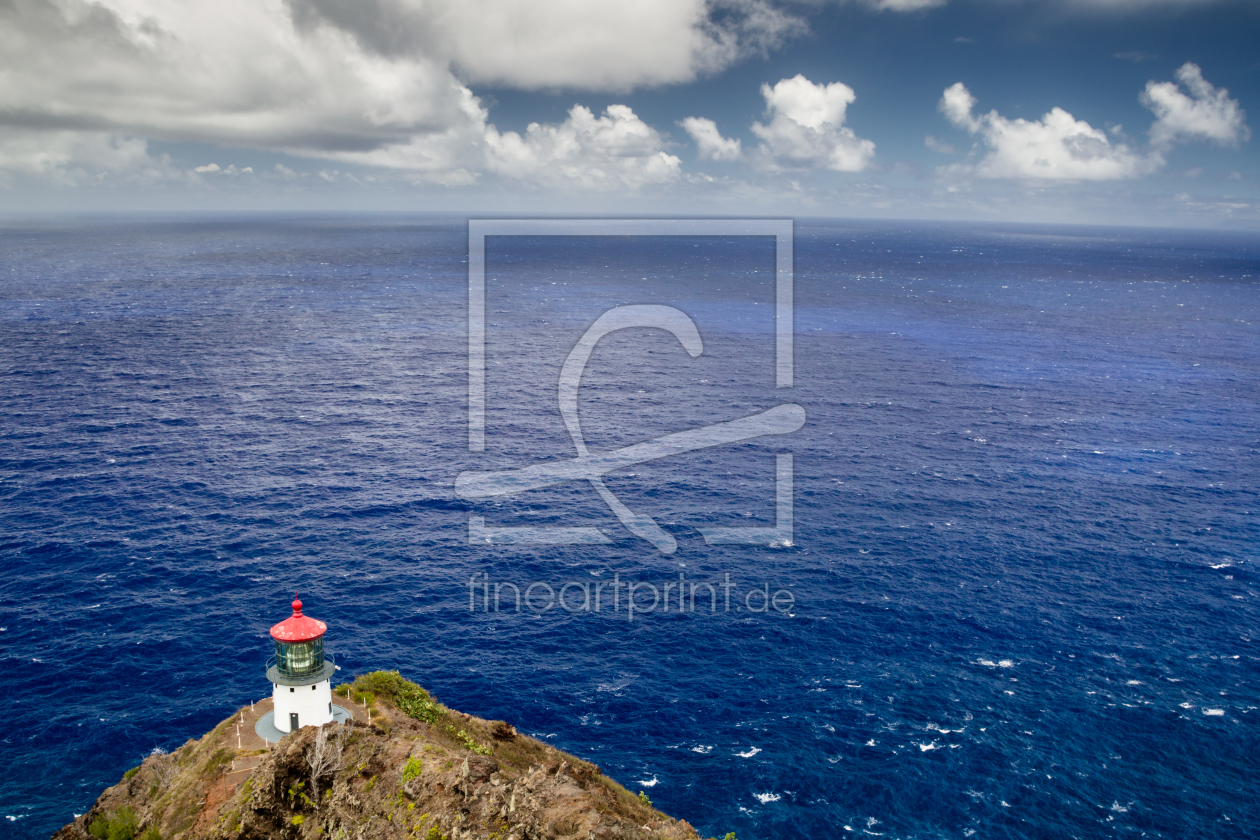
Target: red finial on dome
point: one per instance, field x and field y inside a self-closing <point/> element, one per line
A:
<point x="297" y="607"/>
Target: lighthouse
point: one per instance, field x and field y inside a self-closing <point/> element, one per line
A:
<point x="301" y="674"/>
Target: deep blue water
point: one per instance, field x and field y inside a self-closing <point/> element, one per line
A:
<point x="1026" y="539"/>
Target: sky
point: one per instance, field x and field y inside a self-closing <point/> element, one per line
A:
<point x="1132" y="112"/>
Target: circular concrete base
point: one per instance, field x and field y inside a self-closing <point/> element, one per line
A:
<point x="266" y="725"/>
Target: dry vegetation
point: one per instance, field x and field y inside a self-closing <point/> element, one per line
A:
<point x="418" y="771"/>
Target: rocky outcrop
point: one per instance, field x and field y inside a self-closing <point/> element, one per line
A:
<point x="418" y="771"/>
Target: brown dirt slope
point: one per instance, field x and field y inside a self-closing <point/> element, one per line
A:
<point x="418" y="771"/>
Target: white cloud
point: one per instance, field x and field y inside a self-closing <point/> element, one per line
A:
<point x="1206" y="114"/>
<point x="939" y="145"/>
<point x="710" y="144"/>
<point x="585" y="44"/>
<point x="806" y="127"/>
<point x="234" y="72"/>
<point x="78" y="158"/>
<point x="614" y="151"/>
<point x="1058" y="146"/>
<point x="956" y="104"/>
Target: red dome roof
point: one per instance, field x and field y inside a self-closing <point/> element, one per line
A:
<point x="298" y="627"/>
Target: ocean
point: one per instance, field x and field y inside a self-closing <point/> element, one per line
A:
<point x="1019" y="598"/>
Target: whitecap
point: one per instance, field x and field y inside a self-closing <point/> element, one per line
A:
<point x="1213" y="712"/>
<point x="764" y="798"/>
<point x="616" y="686"/>
<point x="751" y="752"/>
<point x="703" y="749"/>
<point x="652" y="782"/>
<point x="1134" y="682"/>
<point x="926" y="747"/>
<point x="1001" y="663"/>
<point x="1118" y="808"/>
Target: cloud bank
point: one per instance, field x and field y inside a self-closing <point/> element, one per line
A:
<point x="91" y="86"/>
<point x="1059" y="146"/>
<point x="381" y="82"/>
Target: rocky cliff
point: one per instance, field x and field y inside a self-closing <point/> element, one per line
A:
<point x="416" y="770"/>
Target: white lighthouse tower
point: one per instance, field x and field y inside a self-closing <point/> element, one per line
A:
<point x="300" y="674"/>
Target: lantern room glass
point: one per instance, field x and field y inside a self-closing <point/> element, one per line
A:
<point x="300" y="659"/>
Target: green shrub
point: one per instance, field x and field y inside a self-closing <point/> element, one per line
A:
<point x="411" y="699"/>
<point x="151" y="833"/>
<point x="643" y="797"/>
<point x="298" y="820"/>
<point x="467" y="741"/>
<point x="412" y="770"/>
<point x="133" y="771"/>
<point x="120" y="825"/>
